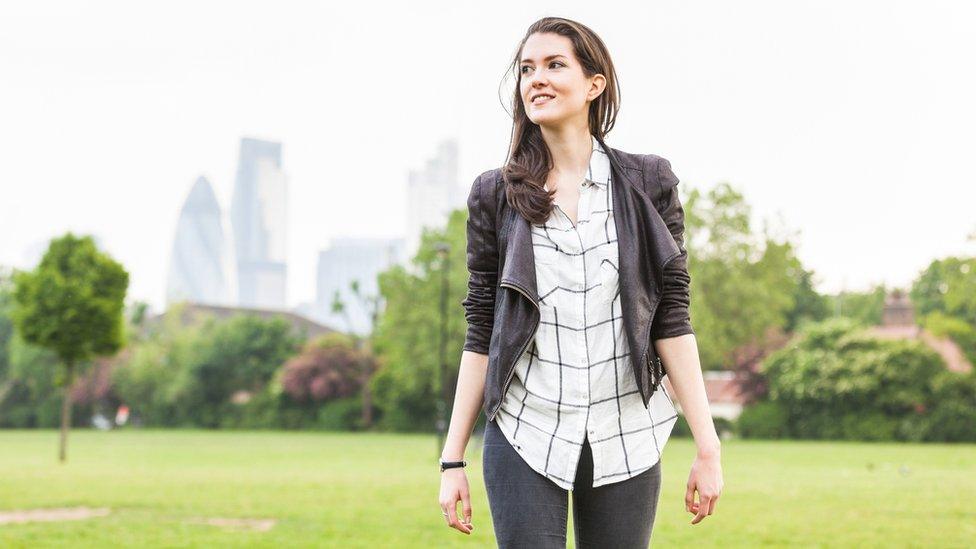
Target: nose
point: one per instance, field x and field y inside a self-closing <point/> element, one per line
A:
<point x="536" y="83"/>
<point x="538" y="77"/>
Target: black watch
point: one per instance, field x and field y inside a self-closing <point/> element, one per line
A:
<point x="450" y="464"/>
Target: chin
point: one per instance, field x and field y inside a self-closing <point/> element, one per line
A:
<point x="545" y="119"/>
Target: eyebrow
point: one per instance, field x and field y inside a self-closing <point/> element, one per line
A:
<point x="546" y="59"/>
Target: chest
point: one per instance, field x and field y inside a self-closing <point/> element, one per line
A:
<point x="576" y="261"/>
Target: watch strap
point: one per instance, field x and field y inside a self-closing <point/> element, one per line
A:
<point x="452" y="464"/>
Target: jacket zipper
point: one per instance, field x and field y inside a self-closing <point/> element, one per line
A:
<point x="647" y="363"/>
<point x="511" y="372"/>
<point x="656" y="370"/>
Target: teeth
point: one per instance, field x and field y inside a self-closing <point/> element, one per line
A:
<point x="541" y="97"/>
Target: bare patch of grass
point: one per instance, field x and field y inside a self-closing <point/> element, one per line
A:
<point x="52" y="514"/>
<point x="252" y="525"/>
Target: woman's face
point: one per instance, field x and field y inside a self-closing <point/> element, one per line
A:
<point x="549" y="70"/>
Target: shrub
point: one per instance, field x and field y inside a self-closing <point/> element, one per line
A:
<point x="839" y="382"/>
<point x="342" y="414"/>
<point x="763" y="420"/>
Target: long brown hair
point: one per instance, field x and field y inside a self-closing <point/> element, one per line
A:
<point x="529" y="159"/>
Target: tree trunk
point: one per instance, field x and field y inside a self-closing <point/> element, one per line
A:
<point x="367" y="405"/>
<point x="66" y="411"/>
<point x="367" y="374"/>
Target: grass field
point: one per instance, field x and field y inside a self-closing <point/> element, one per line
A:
<point x="380" y="490"/>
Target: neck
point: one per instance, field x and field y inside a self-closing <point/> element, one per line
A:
<point x="570" y="149"/>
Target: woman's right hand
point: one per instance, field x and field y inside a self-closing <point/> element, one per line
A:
<point x="454" y="487"/>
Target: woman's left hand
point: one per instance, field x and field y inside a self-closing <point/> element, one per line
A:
<point x="706" y="479"/>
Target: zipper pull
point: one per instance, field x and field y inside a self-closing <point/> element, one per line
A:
<point x="656" y="369"/>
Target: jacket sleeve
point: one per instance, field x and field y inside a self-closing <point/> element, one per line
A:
<point x="672" y="317"/>
<point x="482" y="262"/>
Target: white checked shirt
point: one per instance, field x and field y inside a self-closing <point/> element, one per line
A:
<point x="576" y="380"/>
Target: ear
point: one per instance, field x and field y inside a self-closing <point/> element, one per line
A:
<point x="599" y="84"/>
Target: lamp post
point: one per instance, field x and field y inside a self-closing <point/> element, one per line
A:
<point x="443" y="253"/>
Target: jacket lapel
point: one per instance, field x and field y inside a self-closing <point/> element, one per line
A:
<point x="519" y="268"/>
<point x="641" y="231"/>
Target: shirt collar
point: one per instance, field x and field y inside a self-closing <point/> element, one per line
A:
<point x="599" y="170"/>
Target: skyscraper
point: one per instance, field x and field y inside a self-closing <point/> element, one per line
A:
<point x="200" y="266"/>
<point x="346" y="260"/>
<point x="432" y="193"/>
<point x="258" y="215"/>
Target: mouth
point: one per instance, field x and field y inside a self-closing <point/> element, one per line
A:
<point x="542" y="99"/>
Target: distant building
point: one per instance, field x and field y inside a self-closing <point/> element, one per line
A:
<point x="432" y="193"/>
<point x="723" y="389"/>
<point x="200" y="264"/>
<point x="258" y="216"/>
<point x="346" y="260"/>
<point x="898" y="322"/>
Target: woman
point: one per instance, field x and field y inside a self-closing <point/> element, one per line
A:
<point x="577" y="265"/>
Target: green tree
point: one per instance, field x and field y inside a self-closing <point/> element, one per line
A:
<point x="6" y="334"/>
<point x="865" y="308"/>
<point x="240" y="354"/>
<point x="944" y="296"/>
<point x="744" y="286"/>
<point x="373" y="305"/>
<point x="809" y="305"/>
<point x="407" y="335"/>
<point x="949" y="286"/>
<point x="149" y="379"/>
<point x="72" y="304"/>
<point x="28" y="392"/>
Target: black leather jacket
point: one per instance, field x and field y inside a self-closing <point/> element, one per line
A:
<point x="501" y="304"/>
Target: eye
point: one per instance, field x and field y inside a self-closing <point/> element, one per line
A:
<point x="551" y="63"/>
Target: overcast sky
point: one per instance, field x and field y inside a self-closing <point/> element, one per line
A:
<point x="849" y="122"/>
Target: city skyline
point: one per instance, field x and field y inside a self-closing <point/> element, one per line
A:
<point x="214" y="247"/>
<point x="106" y="124"/>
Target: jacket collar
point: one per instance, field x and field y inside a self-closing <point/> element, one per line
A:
<point x="639" y="229"/>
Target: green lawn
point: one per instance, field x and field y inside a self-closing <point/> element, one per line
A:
<point x="369" y="490"/>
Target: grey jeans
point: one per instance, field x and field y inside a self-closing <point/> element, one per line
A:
<point x="529" y="510"/>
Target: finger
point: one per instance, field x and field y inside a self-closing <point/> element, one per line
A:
<point x="695" y="505"/>
<point x="462" y="522"/>
<point x="706" y="506"/>
<point x="702" y="505"/>
<point x="452" y="514"/>
<point x="446" y="511"/>
<point x="690" y="497"/>
<point x="466" y="505"/>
